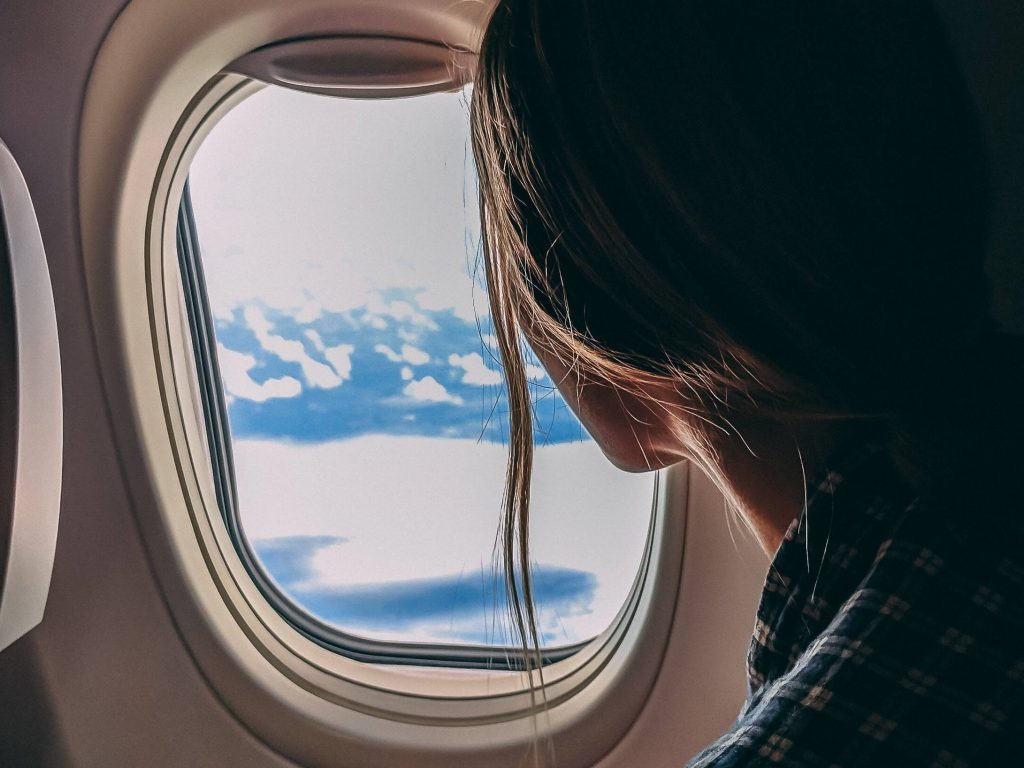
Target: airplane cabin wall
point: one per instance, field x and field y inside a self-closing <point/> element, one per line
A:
<point x="72" y="696"/>
<point x="69" y="696"/>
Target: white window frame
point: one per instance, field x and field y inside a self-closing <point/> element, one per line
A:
<point x="154" y="92"/>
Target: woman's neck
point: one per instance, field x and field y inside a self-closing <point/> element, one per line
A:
<point x="768" y="463"/>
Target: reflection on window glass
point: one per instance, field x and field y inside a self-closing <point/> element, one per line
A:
<point x="339" y="240"/>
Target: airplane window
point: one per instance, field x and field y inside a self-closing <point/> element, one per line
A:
<point x="364" y="429"/>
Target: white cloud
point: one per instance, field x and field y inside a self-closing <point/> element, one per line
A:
<point x="313" y="336"/>
<point x="406" y="373"/>
<point x="308" y="312"/>
<point x="430" y="390"/>
<point x="408" y="354"/>
<point x="475" y="371"/>
<point x="317" y="374"/>
<point x="399" y="311"/>
<point x="459" y="294"/>
<point x="235" y="367"/>
<point x="377" y="322"/>
<point x="535" y="372"/>
<point x="490" y="343"/>
<point x="388" y="352"/>
<point x="340" y="358"/>
<point x="414" y="356"/>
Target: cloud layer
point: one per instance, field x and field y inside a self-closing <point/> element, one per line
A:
<point x="342" y="376"/>
<point x="377" y="511"/>
<point x="464" y="607"/>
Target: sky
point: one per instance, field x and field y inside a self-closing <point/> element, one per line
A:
<point x="340" y="243"/>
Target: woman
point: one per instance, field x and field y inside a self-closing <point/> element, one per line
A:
<point x="751" y="234"/>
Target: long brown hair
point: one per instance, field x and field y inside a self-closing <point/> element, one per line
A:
<point x="775" y="206"/>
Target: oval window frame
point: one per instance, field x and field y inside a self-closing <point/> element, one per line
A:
<point x="303" y="700"/>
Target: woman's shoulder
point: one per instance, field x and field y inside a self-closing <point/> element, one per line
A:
<point x="892" y="637"/>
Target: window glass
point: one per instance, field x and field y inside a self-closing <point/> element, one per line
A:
<point x="339" y="240"/>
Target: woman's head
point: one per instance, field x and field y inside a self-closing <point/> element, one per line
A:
<point x="718" y="208"/>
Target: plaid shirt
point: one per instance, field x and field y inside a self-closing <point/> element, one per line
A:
<point x="888" y="635"/>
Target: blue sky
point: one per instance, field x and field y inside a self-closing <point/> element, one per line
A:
<point x="339" y="240"/>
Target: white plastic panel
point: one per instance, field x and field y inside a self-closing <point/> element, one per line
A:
<point x="370" y="67"/>
<point x="34" y="505"/>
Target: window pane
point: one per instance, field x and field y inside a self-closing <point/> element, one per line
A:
<point x="340" y="240"/>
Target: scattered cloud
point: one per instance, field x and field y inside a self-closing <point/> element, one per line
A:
<point x="474" y="369"/>
<point x="235" y="368"/>
<point x="414" y="355"/>
<point x="388" y="352"/>
<point x="408" y="354"/>
<point x="340" y="358"/>
<point x="406" y="373"/>
<point x="535" y="372"/>
<point x="314" y="337"/>
<point x="308" y="312"/>
<point x="397" y="310"/>
<point x="458" y="293"/>
<point x="317" y="374"/>
<point x="430" y="390"/>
